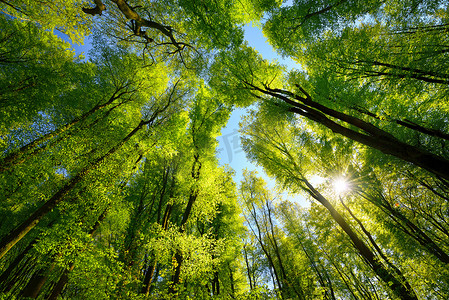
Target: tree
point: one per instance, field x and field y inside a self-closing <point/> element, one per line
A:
<point x="259" y="215"/>
<point x="272" y="149"/>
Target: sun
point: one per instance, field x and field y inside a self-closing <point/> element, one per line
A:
<point x="340" y="185"/>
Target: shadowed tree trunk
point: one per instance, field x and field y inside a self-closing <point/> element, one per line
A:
<point x="401" y="289"/>
<point x="31" y="149"/>
<point x="370" y="135"/>
<point x="407" y="226"/>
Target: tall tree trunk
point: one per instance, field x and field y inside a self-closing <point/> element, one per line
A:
<point x="37" y="281"/>
<point x="413" y="230"/>
<point x="326" y="286"/>
<point x="399" y="288"/>
<point x="21" y="155"/>
<point x="146" y="284"/>
<point x="5" y="283"/>
<point x="286" y="283"/>
<point x="215" y="284"/>
<point x="247" y="268"/>
<point x="265" y="250"/>
<point x="59" y="286"/>
<point x="17" y="234"/>
<point x="372" y="136"/>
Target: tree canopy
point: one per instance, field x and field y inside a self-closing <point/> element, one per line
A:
<point x="111" y="185"/>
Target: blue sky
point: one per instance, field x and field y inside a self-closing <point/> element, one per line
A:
<point x="230" y="151"/>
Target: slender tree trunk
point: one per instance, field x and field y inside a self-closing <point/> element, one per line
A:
<point x="19" y="278"/>
<point x="286" y="283"/>
<point x="373" y="137"/>
<point x="17" y="234"/>
<point x="399" y="288"/>
<point x="148" y="277"/>
<point x="317" y="13"/>
<point x="342" y="275"/>
<point x="427" y="76"/>
<point x="21" y="155"/>
<point x="13" y="265"/>
<point x="414" y="231"/>
<point x="59" y="287"/>
<point x="328" y="287"/>
<point x="251" y="287"/>
<point x="215" y="284"/>
<point x="405" y="123"/>
<point x="395" y="269"/>
<point x="265" y="250"/>
<point x="37" y="281"/>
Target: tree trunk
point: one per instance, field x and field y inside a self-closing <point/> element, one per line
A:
<point x="17" y="234"/>
<point x="59" y="287"/>
<point x="247" y="268"/>
<point x="373" y="137"/>
<point x="13" y="265"/>
<point x="148" y="277"/>
<point x="395" y="269"/>
<point x="285" y="281"/>
<point x="215" y="284"/>
<point x="391" y="281"/>
<point x="20" y="156"/>
<point x="37" y="281"/>
<point x="415" y="232"/>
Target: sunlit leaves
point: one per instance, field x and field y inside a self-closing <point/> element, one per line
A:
<point x="235" y="73"/>
<point x="65" y="16"/>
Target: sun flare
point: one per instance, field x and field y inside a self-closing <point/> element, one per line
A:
<point x="340" y="185"/>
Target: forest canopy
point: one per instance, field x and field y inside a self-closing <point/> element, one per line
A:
<point x="110" y="182"/>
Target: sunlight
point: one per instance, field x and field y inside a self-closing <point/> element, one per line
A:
<point x="340" y="185"/>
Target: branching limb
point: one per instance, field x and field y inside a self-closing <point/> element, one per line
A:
<point x="97" y="10"/>
<point x="137" y="23"/>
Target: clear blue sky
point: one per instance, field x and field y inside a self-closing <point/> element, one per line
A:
<point x="230" y="151"/>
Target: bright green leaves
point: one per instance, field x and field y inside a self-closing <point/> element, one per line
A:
<point x="217" y="21"/>
<point x="65" y="16"/>
<point x="37" y="67"/>
<point x="237" y="74"/>
<point x="277" y="147"/>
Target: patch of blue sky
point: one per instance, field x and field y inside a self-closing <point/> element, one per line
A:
<point x="255" y="38"/>
<point x="230" y="149"/>
<point x="80" y="50"/>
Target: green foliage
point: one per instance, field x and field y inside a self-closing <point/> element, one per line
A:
<point x="109" y="180"/>
<point x="65" y="16"/>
